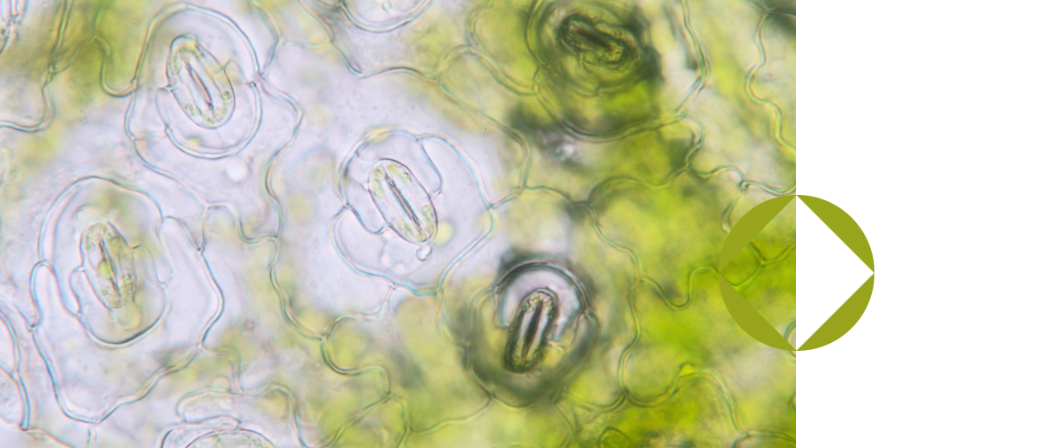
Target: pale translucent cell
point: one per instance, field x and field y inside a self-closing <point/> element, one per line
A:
<point x="27" y="37"/>
<point x="202" y="115"/>
<point x="12" y="392"/>
<point x="374" y="16"/>
<point x="99" y="351"/>
<point x="380" y="15"/>
<point x="219" y="54"/>
<point x="413" y="239"/>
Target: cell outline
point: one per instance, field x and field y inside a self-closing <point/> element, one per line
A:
<point x="62" y="199"/>
<point x="15" y="372"/>
<point x="383" y="27"/>
<point x="156" y="21"/>
<point x="340" y="191"/>
<point x="153" y="28"/>
<point x="257" y="85"/>
<point x="564" y="372"/>
<point x="36" y="322"/>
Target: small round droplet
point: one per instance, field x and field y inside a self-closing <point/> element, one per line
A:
<point x="423" y="252"/>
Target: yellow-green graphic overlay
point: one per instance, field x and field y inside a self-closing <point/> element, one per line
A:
<point x="843" y="226"/>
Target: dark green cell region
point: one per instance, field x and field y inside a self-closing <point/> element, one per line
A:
<point x="828" y="271"/>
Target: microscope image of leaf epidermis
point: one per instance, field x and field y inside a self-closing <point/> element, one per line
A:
<point x="398" y="223"/>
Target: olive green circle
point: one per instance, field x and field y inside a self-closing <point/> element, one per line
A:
<point x="839" y="222"/>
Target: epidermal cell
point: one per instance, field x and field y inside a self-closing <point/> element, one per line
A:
<point x="214" y="432"/>
<point x="600" y="74"/>
<point x="361" y="31"/>
<point x="200" y="85"/>
<point x="106" y="294"/>
<point x="530" y="333"/>
<point x="377" y="16"/>
<point x="231" y="439"/>
<point x="115" y="296"/>
<point x="601" y="53"/>
<point x="196" y="86"/>
<point x="403" y="202"/>
<point x="398" y="221"/>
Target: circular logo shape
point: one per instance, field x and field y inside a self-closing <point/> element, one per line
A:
<point x="843" y="226"/>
